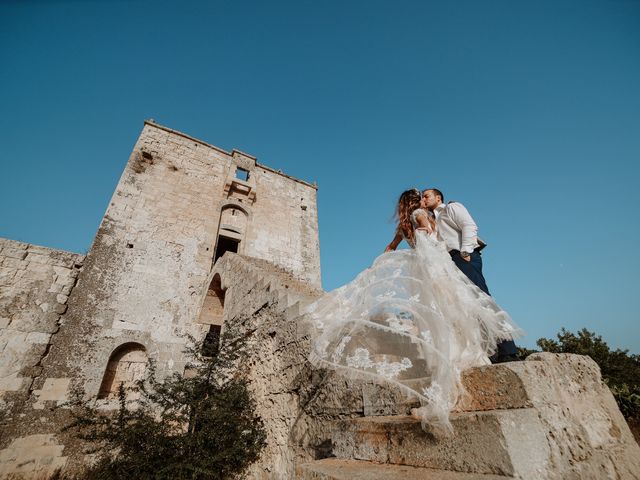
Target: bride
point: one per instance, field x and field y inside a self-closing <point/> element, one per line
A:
<point x="413" y="319"/>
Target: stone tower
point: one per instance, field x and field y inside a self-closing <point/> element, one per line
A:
<point x="147" y="279"/>
<point x="179" y="206"/>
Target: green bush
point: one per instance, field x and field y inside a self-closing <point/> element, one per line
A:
<point x="200" y="426"/>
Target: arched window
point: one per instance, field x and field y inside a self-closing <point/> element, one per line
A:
<point x="126" y="366"/>
<point x="213" y="305"/>
<point x="232" y="227"/>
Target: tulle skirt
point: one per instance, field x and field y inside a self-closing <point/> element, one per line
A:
<point x="413" y="319"/>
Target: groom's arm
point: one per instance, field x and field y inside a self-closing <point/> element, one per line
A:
<point x="394" y="243"/>
<point x="468" y="228"/>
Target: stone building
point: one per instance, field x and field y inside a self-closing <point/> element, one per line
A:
<point x="157" y="270"/>
<point x="68" y="320"/>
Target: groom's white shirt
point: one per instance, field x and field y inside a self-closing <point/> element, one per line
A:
<point x="456" y="228"/>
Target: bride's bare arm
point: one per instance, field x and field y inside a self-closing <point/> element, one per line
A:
<point x="394" y="243"/>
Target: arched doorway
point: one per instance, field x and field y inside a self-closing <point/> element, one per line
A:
<point x="212" y="314"/>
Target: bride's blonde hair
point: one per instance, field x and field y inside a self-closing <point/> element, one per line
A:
<point x="408" y="202"/>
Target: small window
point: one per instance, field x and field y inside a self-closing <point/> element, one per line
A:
<point x="242" y="174"/>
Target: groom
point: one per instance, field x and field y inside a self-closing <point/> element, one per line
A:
<point x="460" y="233"/>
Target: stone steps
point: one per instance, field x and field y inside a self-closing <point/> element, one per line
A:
<point x="482" y="442"/>
<point x="547" y="418"/>
<point x="337" y="469"/>
<point x="285" y="278"/>
<point x="291" y="292"/>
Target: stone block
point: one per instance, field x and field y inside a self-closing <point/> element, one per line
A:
<point x="56" y="288"/>
<point x="53" y="389"/>
<point x="43" y="258"/>
<point x="499" y="386"/>
<point x="337" y="469"/>
<point x="7" y="276"/>
<point x="38" y="337"/>
<point x="60" y="308"/>
<point x="385" y="400"/>
<point x="15" y="263"/>
<point x="12" y="383"/>
<point x="62" y="299"/>
<point x="37" y="267"/>
<point x="480" y="443"/>
<point x="8" y="243"/>
<point x="33" y="456"/>
<point x="17" y="253"/>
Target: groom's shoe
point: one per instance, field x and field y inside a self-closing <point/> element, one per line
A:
<point x="504" y="358"/>
<point x="506" y="351"/>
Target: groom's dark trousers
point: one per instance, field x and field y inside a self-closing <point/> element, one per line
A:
<point x="473" y="270"/>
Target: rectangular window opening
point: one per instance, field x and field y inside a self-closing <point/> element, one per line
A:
<point x="242" y="174"/>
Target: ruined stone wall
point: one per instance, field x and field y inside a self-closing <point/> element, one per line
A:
<point x="35" y="283"/>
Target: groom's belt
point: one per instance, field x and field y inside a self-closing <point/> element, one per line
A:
<point x="457" y="252"/>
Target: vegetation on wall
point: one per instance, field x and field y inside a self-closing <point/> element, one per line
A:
<point x="197" y="426"/>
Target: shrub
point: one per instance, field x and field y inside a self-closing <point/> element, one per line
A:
<point x="199" y="426"/>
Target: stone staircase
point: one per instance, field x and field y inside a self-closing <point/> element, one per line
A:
<point x="396" y="447"/>
<point x="337" y="469"/>
<point x="288" y="291"/>
<point x="548" y="418"/>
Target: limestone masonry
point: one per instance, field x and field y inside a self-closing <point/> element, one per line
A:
<point x="195" y="238"/>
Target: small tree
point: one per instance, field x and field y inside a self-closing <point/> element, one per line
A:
<point x="620" y="370"/>
<point x="198" y="426"/>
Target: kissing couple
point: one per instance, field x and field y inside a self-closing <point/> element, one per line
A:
<point x="420" y="316"/>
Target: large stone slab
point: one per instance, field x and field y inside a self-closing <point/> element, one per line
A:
<point x="550" y="417"/>
<point x="482" y="443"/>
<point x="336" y="469"/>
<point x="587" y="435"/>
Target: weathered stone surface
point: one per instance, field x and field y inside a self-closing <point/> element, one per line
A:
<point x="337" y="469"/>
<point x="480" y="443"/>
<point x="494" y="387"/>
<point x="34" y="456"/>
<point x="28" y="300"/>
<point x="570" y="428"/>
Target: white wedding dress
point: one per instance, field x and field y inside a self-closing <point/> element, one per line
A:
<point x="412" y="319"/>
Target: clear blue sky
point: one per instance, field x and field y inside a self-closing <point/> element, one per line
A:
<point x="527" y="112"/>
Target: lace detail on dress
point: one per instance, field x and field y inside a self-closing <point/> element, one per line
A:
<point x="414" y="320"/>
<point x="414" y="216"/>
